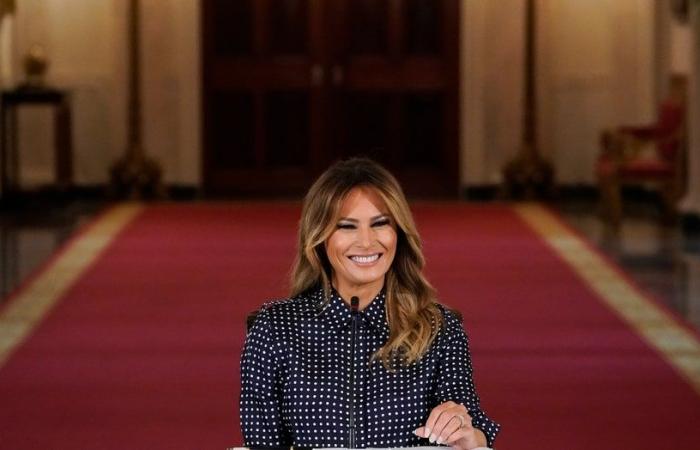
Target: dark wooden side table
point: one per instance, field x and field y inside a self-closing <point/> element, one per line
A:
<point x="10" y="101"/>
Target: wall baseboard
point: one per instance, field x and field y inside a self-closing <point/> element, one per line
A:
<point x="567" y="192"/>
<point x="91" y="192"/>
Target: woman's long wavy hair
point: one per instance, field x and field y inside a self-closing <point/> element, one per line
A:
<point x="412" y="313"/>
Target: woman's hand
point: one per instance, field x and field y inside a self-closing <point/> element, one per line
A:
<point x="451" y="424"/>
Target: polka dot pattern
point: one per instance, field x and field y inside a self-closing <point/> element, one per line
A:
<point x="295" y="372"/>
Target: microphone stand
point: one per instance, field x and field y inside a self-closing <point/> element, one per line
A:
<point x="354" y="307"/>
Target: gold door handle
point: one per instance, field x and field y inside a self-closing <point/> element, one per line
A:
<point x="317" y="75"/>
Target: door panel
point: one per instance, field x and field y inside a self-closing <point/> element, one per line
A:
<point x="396" y="99"/>
<point x="291" y="85"/>
<point x="288" y="27"/>
<point x="422" y="28"/>
<point x="232" y="26"/>
<point x="363" y="124"/>
<point x="287" y="128"/>
<point x="366" y="30"/>
<point x="422" y="130"/>
<point x="235" y="144"/>
<point x="263" y="56"/>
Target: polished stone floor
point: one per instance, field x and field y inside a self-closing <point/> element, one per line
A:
<point x="659" y="258"/>
<point x="30" y="232"/>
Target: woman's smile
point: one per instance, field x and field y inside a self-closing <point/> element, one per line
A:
<point x="365" y="260"/>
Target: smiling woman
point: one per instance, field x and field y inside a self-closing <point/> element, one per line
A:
<point x="362" y="247"/>
<point x="361" y="354"/>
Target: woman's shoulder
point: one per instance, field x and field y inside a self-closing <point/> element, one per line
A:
<point x="290" y="308"/>
<point x="452" y="323"/>
<point x="450" y="316"/>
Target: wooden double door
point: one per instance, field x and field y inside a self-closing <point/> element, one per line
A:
<point x="289" y="86"/>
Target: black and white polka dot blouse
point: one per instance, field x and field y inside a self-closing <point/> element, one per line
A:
<point x="295" y="372"/>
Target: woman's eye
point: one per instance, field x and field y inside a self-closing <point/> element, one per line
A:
<point x="381" y="223"/>
<point x="346" y="226"/>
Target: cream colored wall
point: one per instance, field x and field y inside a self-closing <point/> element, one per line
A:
<point x="681" y="48"/>
<point x="595" y="70"/>
<point x="7" y="25"/>
<point x="171" y="87"/>
<point x="691" y="202"/>
<point x="492" y="82"/>
<point x="87" y="52"/>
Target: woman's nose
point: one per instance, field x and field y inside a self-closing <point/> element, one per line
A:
<point x="365" y="236"/>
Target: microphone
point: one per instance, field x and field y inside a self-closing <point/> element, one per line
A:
<point x="355" y="309"/>
<point x="354" y="304"/>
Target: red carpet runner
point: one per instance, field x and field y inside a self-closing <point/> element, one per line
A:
<point x="142" y="352"/>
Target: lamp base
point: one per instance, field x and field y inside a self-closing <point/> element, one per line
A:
<point x="136" y="177"/>
<point x="528" y="177"/>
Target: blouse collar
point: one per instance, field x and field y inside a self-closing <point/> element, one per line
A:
<point x="337" y="313"/>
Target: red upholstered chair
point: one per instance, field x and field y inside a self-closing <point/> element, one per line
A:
<point x="642" y="155"/>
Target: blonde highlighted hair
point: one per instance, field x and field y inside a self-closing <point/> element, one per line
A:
<point x="412" y="312"/>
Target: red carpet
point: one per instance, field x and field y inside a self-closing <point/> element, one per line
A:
<point x="143" y="351"/>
